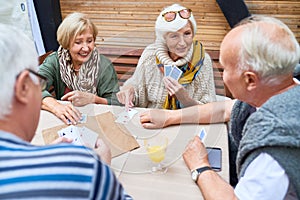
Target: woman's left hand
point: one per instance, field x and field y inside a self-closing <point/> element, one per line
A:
<point x="175" y="88"/>
<point x="79" y="98"/>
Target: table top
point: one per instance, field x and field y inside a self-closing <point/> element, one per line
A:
<point x="133" y="169"/>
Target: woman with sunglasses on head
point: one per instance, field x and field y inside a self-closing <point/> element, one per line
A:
<point x="78" y="73"/>
<point x="151" y="85"/>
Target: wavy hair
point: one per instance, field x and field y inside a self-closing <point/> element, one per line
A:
<point x="73" y="25"/>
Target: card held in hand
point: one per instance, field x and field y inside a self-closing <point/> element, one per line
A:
<point x="80" y="135"/>
<point x="175" y="73"/>
<point x="125" y="116"/>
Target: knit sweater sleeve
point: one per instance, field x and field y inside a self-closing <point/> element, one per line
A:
<point x="202" y="89"/>
<point x="138" y="79"/>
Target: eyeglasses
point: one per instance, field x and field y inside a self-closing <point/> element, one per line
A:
<point x="42" y="79"/>
<point x="171" y="15"/>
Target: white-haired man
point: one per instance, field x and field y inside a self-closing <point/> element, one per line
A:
<point x="61" y="171"/>
<point x="258" y="58"/>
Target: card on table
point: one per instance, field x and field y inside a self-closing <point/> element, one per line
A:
<point x="125" y="116"/>
<point x="82" y="120"/>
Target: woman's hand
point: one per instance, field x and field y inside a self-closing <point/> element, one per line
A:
<point x="126" y="96"/>
<point x="66" y="112"/>
<point x="175" y="88"/>
<point x="79" y="98"/>
<point x="195" y="154"/>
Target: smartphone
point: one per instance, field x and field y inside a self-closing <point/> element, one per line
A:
<point x="215" y="158"/>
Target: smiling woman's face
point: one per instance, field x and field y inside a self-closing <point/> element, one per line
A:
<point x="179" y="42"/>
<point x="82" y="46"/>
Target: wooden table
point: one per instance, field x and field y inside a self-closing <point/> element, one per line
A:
<point x="133" y="168"/>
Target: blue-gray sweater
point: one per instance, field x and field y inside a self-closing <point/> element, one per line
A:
<point x="274" y="129"/>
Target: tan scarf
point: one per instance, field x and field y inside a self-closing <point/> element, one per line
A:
<point x="86" y="80"/>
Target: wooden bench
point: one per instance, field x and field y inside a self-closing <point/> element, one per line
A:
<point x="125" y="60"/>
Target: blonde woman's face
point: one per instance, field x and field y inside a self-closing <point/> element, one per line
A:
<point x="81" y="47"/>
<point x="179" y="42"/>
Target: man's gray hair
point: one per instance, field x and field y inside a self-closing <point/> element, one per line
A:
<point x="270" y="51"/>
<point x="17" y="52"/>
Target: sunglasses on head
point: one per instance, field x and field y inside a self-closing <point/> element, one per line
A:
<point x="171" y="15"/>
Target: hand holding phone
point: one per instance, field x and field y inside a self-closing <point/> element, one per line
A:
<point x="215" y="158"/>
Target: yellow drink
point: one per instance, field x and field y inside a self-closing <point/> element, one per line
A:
<point x="156" y="153"/>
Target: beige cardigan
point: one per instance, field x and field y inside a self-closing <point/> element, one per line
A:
<point x="150" y="91"/>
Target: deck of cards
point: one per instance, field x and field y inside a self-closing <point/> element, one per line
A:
<point x="80" y="135"/>
<point x="172" y="71"/>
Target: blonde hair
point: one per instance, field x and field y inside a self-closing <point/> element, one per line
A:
<point x="71" y="26"/>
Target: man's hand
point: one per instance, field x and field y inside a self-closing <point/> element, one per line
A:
<point x="103" y="151"/>
<point x="157" y="118"/>
<point x="195" y="154"/>
<point x="79" y="98"/>
<point x="62" y="140"/>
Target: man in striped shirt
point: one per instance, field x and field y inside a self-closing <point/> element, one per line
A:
<point x="61" y="171"/>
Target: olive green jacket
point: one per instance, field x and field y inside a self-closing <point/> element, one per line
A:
<point x="107" y="82"/>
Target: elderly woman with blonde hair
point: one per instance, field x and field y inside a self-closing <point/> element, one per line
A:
<point x="151" y="87"/>
<point x="78" y="73"/>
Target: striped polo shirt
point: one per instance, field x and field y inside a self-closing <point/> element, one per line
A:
<point x="62" y="171"/>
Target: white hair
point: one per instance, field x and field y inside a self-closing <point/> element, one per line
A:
<point x="162" y="27"/>
<point x="269" y="51"/>
<point x="17" y="52"/>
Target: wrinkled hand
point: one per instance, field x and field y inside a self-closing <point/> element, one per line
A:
<point x="67" y="112"/>
<point x="103" y="151"/>
<point x="62" y="140"/>
<point x="152" y="119"/>
<point x="175" y="88"/>
<point x="126" y="96"/>
<point x="79" y="98"/>
<point x="195" y="154"/>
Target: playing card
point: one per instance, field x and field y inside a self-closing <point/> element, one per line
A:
<point x="80" y="135"/>
<point x="83" y="118"/>
<point x="70" y="132"/>
<point x="202" y="134"/>
<point x="125" y="116"/>
<point x="87" y="136"/>
<point x="167" y="69"/>
<point x="175" y="73"/>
